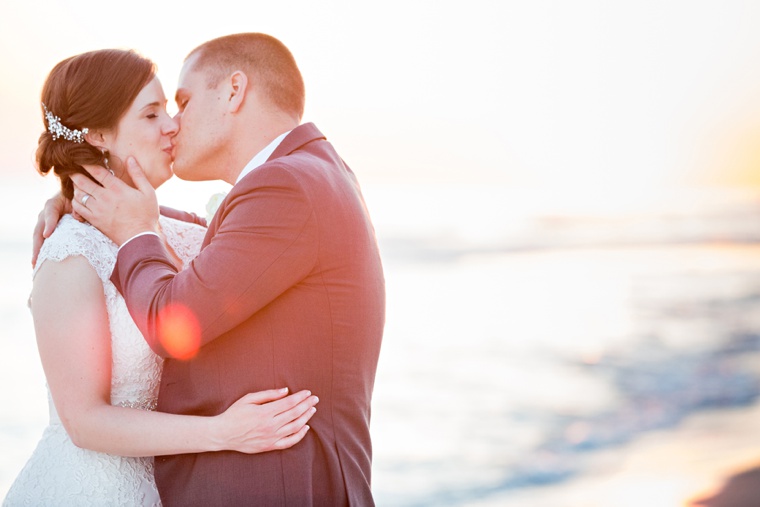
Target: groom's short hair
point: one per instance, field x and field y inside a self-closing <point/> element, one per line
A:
<point x="265" y="60"/>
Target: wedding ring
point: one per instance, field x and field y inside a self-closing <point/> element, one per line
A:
<point x="84" y="199"/>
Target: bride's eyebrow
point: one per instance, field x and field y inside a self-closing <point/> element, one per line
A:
<point x="152" y="104"/>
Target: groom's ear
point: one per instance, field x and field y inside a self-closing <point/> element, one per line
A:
<point x="238" y="82"/>
<point x="96" y="138"/>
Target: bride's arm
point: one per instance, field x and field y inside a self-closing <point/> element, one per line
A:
<point x="184" y="216"/>
<point x="73" y="337"/>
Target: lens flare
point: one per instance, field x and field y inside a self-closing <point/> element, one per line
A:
<point x="179" y="332"/>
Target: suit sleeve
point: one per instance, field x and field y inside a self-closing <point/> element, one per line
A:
<point x="265" y="244"/>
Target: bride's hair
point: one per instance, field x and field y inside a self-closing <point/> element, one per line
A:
<point x="88" y="91"/>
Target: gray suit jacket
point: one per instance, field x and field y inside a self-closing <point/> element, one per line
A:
<point x="288" y="290"/>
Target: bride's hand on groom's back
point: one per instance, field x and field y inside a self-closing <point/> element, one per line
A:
<point x="54" y="209"/>
<point x="265" y="421"/>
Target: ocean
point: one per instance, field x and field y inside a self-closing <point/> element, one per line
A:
<point x="534" y="349"/>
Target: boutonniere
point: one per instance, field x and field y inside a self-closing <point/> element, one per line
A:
<point x="213" y="204"/>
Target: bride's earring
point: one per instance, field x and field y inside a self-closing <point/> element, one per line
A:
<point x="105" y="160"/>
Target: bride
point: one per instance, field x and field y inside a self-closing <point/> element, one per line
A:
<point x="99" y="108"/>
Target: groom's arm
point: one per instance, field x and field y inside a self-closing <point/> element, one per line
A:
<point x="265" y="244"/>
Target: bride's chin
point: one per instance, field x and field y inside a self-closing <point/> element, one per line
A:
<point x="160" y="182"/>
<point x="159" y="174"/>
<point x="166" y="175"/>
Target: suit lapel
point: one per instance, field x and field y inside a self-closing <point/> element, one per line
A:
<point x="298" y="137"/>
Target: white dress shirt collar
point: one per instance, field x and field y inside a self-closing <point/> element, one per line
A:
<point x="262" y="156"/>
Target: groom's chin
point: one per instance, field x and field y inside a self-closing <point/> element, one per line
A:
<point x="194" y="177"/>
<point x="182" y="172"/>
<point x="193" y="168"/>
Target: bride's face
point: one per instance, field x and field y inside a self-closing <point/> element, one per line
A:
<point x="145" y="132"/>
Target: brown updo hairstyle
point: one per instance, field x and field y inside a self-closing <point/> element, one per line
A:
<point x="92" y="90"/>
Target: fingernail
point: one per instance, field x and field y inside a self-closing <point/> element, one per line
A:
<point x="307" y="427"/>
<point x="316" y="399"/>
<point x="284" y="390"/>
<point x="313" y="409"/>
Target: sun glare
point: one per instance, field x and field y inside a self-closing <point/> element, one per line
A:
<point x="179" y="332"/>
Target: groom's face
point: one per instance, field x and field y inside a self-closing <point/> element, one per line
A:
<point x="199" y="143"/>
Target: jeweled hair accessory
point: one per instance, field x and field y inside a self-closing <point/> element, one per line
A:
<point x="58" y="129"/>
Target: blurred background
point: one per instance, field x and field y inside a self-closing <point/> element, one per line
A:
<point x="566" y="199"/>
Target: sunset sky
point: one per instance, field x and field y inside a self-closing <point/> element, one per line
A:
<point x="583" y="96"/>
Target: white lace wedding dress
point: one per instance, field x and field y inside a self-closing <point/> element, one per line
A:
<point x="59" y="473"/>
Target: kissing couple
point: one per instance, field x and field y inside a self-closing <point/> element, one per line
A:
<point x="163" y="335"/>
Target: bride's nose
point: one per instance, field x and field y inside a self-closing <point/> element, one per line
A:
<point x="171" y="126"/>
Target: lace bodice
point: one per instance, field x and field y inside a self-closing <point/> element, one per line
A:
<point x="59" y="473"/>
<point x="136" y="370"/>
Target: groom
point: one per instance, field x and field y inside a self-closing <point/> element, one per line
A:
<point x="288" y="289"/>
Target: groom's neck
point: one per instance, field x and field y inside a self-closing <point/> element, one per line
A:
<point x="247" y="144"/>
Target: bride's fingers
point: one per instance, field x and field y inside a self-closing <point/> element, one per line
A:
<point x="261" y="397"/>
<point x="37" y="240"/>
<point x="298" y="423"/>
<point x="55" y="208"/>
<point x="290" y="440"/>
<point x="297" y="411"/>
<point x="287" y="403"/>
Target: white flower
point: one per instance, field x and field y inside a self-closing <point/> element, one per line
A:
<point x="213" y="204"/>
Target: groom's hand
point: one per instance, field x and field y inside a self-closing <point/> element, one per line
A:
<point x="120" y="212"/>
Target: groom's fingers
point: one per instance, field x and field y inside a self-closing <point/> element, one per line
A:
<point x="80" y="210"/>
<point x="138" y="176"/>
<point x="84" y="207"/>
<point x="78" y="194"/>
<point x="100" y="173"/>
<point x="84" y="184"/>
<point x="105" y="177"/>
